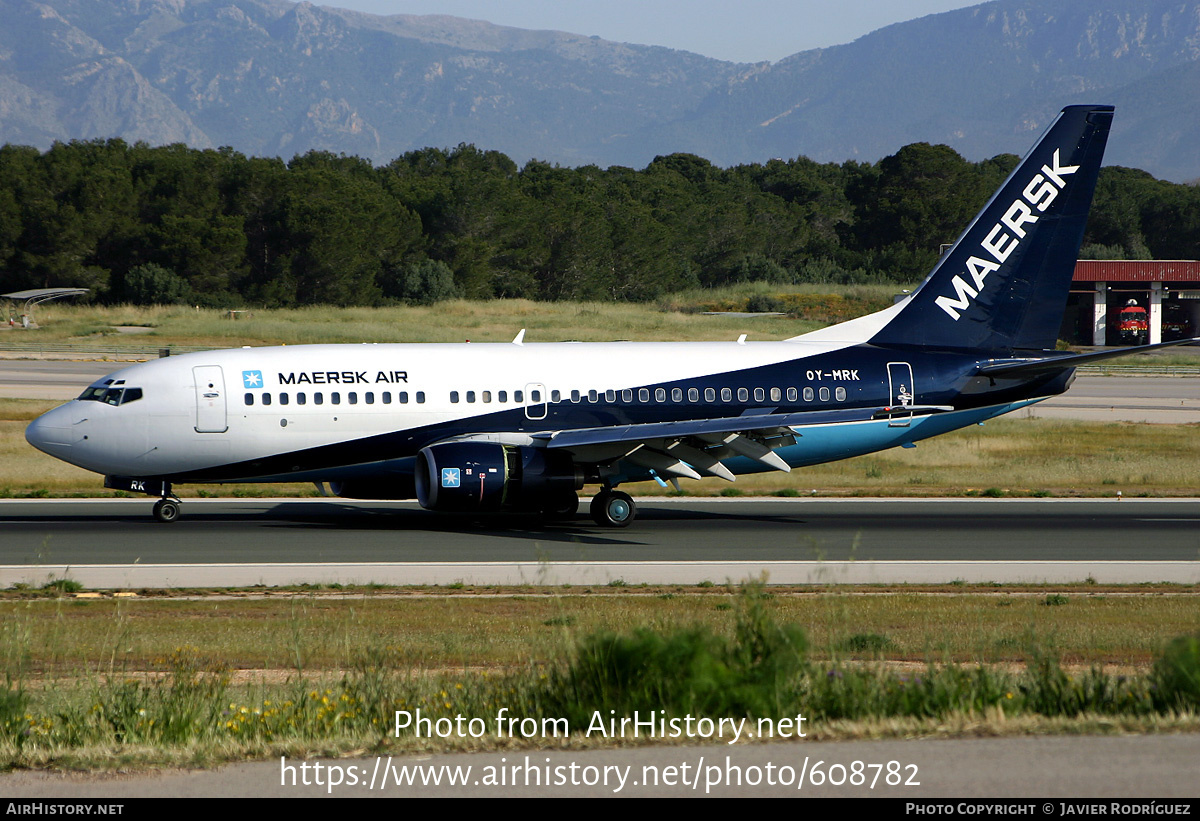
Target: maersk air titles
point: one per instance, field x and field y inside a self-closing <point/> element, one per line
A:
<point x="998" y="245"/>
<point x="524" y="426"/>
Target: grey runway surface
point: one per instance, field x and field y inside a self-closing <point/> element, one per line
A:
<point x="216" y="531"/>
<point x="237" y="542"/>
<point x="50" y="379"/>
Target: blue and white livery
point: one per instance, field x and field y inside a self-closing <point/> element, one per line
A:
<point x="524" y="426"/>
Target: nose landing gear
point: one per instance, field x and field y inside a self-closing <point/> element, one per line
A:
<point x="166" y="510"/>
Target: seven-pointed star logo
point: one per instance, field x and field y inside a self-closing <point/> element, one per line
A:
<point x="450" y="477"/>
<point x="252" y="379"/>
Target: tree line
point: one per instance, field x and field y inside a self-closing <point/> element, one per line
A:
<point x="173" y="224"/>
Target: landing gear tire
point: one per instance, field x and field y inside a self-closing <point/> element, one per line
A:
<point x="166" y="510"/>
<point x="563" y="507"/>
<point x="613" y="508"/>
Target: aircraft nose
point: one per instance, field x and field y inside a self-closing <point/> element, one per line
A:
<point x="51" y="432"/>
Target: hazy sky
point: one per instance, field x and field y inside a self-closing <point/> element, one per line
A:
<point x="746" y="31"/>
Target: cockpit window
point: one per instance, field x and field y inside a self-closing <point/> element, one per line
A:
<point x="92" y="394"/>
<point x="111" y="396"/>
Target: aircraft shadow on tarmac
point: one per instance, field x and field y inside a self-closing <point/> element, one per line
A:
<point x="514" y="526"/>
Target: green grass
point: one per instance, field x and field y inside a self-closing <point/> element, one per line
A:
<point x="675" y="317"/>
<point x="453" y="321"/>
<point x="55" y="636"/>
<point x="141" y="693"/>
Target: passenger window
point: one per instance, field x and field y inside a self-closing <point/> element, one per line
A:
<point x="627" y="396"/>
<point x="693" y="394"/>
<point x="454" y="397"/>
<point x="610" y="397"/>
<point x="370" y="397"/>
<point x="301" y="398"/>
<point x="502" y="396"/>
<point x="352" y="397"/>
<point x="403" y="397"/>
<point x="387" y="397"/>
<point x="574" y="396"/>
<point x="824" y="394"/>
<point x="726" y="394"/>
<point x="486" y="396"/>
<point x="266" y="398"/>
<point x="839" y="394"/>
<point x="593" y="396"/>
<point x="335" y="398"/>
<point x="555" y="396"/>
<point x="421" y="397"/>
<point x="283" y="398"/>
<point x="318" y="398"/>
<point x="643" y="394"/>
<point x="792" y="395"/>
<point x="743" y="395"/>
<point x="759" y="394"/>
<point x="808" y="394"/>
<point x="470" y="396"/>
<point x="676" y="395"/>
<point x="660" y="394"/>
<point x="249" y="399"/>
<point x="710" y="395"/>
<point x="518" y="396"/>
<point x="776" y="394"/>
<point x="535" y="396"/>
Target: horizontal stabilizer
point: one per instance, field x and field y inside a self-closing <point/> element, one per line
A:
<point x="1013" y="367"/>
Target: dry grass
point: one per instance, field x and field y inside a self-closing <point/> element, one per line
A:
<point x="453" y="321"/>
<point x="471" y="632"/>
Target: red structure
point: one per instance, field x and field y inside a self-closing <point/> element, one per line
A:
<point x="1167" y="290"/>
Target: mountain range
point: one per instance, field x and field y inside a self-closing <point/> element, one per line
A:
<point x="271" y="77"/>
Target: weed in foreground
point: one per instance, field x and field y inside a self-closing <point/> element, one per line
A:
<point x="758" y="669"/>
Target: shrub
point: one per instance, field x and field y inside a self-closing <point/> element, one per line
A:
<point x="1176" y="675"/>
<point x="687" y="670"/>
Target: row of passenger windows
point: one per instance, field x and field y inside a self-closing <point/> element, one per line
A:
<point x="335" y="398"/>
<point x="660" y="395"/>
<point x="609" y="396"/>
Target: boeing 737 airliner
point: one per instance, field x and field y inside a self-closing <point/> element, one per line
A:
<point x="523" y="426"/>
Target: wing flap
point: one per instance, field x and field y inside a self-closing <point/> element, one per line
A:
<point x="771" y="423"/>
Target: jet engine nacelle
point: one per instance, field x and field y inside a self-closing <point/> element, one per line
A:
<point x="488" y="476"/>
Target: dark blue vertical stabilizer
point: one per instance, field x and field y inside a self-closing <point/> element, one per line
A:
<point x="1004" y="283"/>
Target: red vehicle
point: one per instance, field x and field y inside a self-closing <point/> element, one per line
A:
<point x="1133" y="325"/>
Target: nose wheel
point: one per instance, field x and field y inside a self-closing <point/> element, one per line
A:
<point x="166" y="510"/>
<point x="613" y="508"/>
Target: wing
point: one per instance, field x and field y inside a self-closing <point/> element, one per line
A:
<point x="693" y="448"/>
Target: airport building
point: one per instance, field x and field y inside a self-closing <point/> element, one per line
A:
<point x="1132" y="302"/>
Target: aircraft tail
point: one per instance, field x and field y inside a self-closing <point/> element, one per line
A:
<point x="1003" y="285"/>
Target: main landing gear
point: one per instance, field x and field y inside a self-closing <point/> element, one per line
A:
<point x="166" y="510"/>
<point x="613" y="508"/>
